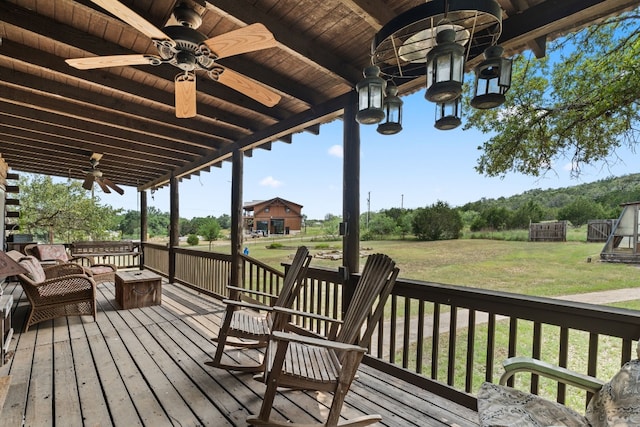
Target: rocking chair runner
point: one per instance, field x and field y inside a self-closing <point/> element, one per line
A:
<point x="251" y="329"/>
<point x="310" y="363"/>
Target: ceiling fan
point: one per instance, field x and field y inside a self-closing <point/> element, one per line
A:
<point x="189" y="50"/>
<point x="95" y="175"/>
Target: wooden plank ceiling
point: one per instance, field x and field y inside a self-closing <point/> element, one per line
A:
<point x="54" y="116"/>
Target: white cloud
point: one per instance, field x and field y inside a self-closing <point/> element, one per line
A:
<point x="270" y="182"/>
<point x="336" y="151"/>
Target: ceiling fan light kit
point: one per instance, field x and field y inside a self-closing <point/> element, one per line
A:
<point x="433" y="40"/>
<point x="189" y="50"/>
<point x="94" y="175"/>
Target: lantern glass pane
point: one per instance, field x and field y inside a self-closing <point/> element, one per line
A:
<point x="363" y="98"/>
<point x="458" y="69"/>
<point x="443" y="71"/>
<point x="429" y="74"/>
<point x="505" y="73"/>
<point x="375" y="95"/>
<point x="393" y="112"/>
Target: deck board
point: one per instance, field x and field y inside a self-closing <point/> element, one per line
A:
<point x="145" y="367"/>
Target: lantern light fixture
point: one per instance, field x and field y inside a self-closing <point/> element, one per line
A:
<point x="448" y="115"/>
<point x="445" y="67"/>
<point x="392" y="106"/>
<point x="492" y="79"/>
<point x="370" y="96"/>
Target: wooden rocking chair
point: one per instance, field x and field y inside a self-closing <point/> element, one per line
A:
<point x="330" y="365"/>
<point x="251" y="323"/>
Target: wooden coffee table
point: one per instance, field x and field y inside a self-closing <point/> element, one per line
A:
<point x="138" y="288"/>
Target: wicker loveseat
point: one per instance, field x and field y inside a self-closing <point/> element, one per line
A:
<point x="57" y="291"/>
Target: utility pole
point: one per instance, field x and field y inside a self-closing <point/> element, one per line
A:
<point x="402" y="201"/>
<point x="368" y="207"/>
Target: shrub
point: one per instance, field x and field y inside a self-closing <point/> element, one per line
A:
<point x="192" y="240"/>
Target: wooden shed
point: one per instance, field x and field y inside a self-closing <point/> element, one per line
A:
<point x="273" y="216"/>
<point x="623" y="244"/>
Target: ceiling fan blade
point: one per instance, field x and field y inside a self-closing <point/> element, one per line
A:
<point x="185" y="93"/>
<point x="247" y="39"/>
<point x="88" y="181"/>
<point x="112" y="61"/>
<point x="132" y="18"/>
<point x="111" y="184"/>
<point x="96" y="156"/>
<point x="248" y="87"/>
<point x="102" y="185"/>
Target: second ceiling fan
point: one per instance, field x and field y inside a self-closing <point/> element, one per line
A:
<point x="189" y="50"/>
<point x="95" y="175"/>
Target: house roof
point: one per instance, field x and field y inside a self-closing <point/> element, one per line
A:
<point x="54" y="116"/>
<point x="252" y="205"/>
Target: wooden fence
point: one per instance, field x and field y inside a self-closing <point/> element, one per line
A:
<point x="548" y="231"/>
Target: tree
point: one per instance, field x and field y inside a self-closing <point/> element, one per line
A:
<point x="209" y="230"/>
<point x="437" y="222"/>
<point x="331" y="226"/>
<point x="581" y="210"/>
<point x="62" y="211"/>
<point x="581" y="107"/>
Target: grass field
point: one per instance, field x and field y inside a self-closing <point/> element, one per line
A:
<point x="540" y="268"/>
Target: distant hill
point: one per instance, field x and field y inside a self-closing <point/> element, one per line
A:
<point x="609" y="192"/>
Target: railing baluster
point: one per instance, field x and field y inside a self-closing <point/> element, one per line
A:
<point x="453" y="329"/>
<point x="470" y="351"/>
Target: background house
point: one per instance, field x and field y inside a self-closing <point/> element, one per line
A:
<point x="273" y="216"/>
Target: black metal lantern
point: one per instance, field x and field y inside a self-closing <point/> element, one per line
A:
<point x="370" y="97"/>
<point x="445" y="68"/>
<point x="448" y="115"/>
<point x="493" y="79"/>
<point x="392" y="107"/>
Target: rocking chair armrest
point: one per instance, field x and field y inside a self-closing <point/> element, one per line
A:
<point x="244" y="304"/>
<point x="557" y="373"/>
<point x="292" y="312"/>
<point x="251" y="291"/>
<point x="318" y="342"/>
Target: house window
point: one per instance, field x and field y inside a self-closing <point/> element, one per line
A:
<point x="287" y="210"/>
<point x="266" y="209"/>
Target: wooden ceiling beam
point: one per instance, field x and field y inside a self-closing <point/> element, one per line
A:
<point x="306" y="51"/>
<point x="376" y="13"/>
<point x="86" y="132"/>
<point x="83" y="118"/>
<point x="62" y="95"/>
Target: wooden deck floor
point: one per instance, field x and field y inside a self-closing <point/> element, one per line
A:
<point x="145" y="367"/>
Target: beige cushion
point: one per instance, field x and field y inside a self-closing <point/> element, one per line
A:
<point x="505" y="406"/>
<point x="34" y="269"/>
<point x="618" y="402"/>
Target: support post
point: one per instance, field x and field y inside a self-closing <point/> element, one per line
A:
<point x="236" y="218"/>
<point x="144" y="225"/>
<point x="174" y="226"/>
<point x="351" y="197"/>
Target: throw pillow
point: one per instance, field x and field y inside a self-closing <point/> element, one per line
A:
<point x="617" y="404"/>
<point x="505" y="406"/>
<point x="34" y="269"/>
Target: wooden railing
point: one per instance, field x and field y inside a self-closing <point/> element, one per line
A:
<point x="447" y="338"/>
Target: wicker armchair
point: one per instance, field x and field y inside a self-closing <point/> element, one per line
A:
<point x="48" y="253"/>
<point x="56" y="291"/>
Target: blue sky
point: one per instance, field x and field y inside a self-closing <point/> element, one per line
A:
<point x="415" y="168"/>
